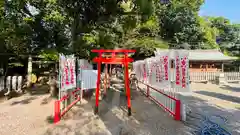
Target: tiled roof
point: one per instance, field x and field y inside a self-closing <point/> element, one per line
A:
<point x="199" y="55"/>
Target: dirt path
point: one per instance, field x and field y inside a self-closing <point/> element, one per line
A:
<point x="146" y="119"/>
<point x="25" y="115"/>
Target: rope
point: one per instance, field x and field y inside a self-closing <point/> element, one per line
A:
<point x="208" y="126"/>
<point x="212" y="128"/>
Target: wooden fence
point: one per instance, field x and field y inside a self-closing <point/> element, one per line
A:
<point x="212" y="76"/>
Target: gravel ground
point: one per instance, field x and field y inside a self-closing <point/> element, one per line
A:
<point x="25" y="115"/>
<point x="28" y="114"/>
<point x="113" y="120"/>
<point x="146" y="119"/>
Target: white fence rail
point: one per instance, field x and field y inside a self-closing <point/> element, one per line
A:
<point x="212" y="76"/>
<point x="232" y="76"/>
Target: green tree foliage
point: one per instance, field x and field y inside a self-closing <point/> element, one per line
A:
<point x="77" y="26"/>
<point x="228" y="35"/>
<point x="181" y="25"/>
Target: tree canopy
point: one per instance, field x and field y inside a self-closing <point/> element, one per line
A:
<point x="48" y="27"/>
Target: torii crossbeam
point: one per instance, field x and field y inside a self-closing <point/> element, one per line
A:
<point x="113" y="59"/>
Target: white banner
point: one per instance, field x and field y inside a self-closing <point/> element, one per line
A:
<point x="160" y="71"/>
<point x="181" y="69"/>
<point x="67" y="72"/>
<point x="157" y="70"/>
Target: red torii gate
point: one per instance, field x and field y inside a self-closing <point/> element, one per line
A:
<point x="113" y="60"/>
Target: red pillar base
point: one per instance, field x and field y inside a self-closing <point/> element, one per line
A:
<point x="96" y="110"/>
<point x="178" y="110"/>
<point x="57" y="112"/>
<point x="129" y="111"/>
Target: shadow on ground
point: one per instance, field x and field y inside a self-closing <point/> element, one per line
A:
<point x="2" y="93"/>
<point x="2" y="97"/>
<point x="35" y="90"/>
<point x="147" y="118"/>
<point x="231" y="88"/>
<point x="50" y="119"/>
<point x="38" y="90"/>
<point x="113" y="120"/>
<point x="220" y="96"/>
<point x="12" y="94"/>
<point x="87" y="96"/>
<point x="47" y="100"/>
<point x="24" y="101"/>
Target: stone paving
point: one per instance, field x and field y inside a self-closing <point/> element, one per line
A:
<point x="212" y="100"/>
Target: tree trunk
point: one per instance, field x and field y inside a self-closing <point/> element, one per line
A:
<point x="74" y="34"/>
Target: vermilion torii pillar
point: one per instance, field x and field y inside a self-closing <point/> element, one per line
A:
<point x="114" y="59"/>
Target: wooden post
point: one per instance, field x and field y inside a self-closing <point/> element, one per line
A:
<point x="110" y="70"/>
<point x="29" y="71"/>
<point x="148" y="92"/>
<point x="105" y="80"/>
<point x="222" y="67"/>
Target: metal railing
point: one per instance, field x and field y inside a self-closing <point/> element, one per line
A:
<point x="168" y="102"/>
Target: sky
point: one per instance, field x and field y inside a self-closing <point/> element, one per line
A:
<point x="227" y="8"/>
